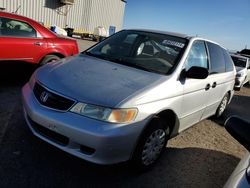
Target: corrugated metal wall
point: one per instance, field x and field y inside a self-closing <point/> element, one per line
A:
<point x="84" y="15"/>
<point x="106" y="13"/>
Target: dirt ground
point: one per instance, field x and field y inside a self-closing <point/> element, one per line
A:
<point x="202" y="156"/>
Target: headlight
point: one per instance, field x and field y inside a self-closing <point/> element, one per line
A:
<point x="105" y="114"/>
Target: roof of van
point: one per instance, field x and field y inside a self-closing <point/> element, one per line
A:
<point x="162" y="32"/>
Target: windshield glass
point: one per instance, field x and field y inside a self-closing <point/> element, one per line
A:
<point x="148" y="51"/>
<point x="239" y="62"/>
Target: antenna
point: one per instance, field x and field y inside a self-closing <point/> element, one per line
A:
<point x="17" y="9"/>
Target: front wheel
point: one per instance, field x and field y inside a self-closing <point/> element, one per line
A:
<point x="221" y="108"/>
<point x="151" y="145"/>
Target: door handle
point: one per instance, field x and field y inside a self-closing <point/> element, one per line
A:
<point x="207" y="87"/>
<point x="38" y="43"/>
<point x="214" y="85"/>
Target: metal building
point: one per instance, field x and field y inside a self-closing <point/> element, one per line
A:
<point x="82" y="15"/>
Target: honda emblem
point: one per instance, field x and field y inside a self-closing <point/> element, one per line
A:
<point x="44" y="96"/>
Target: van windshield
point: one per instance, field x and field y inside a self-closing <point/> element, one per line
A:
<point x="239" y="62"/>
<point x="148" y="51"/>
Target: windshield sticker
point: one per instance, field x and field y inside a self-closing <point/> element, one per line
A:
<point x="173" y="43"/>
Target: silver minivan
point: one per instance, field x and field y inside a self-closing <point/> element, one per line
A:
<point x="123" y="98"/>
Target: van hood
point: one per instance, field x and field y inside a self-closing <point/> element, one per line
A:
<point x="96" y="81"/>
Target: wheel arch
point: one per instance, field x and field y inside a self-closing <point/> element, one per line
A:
<point x="169" y="118"/>
<point x="52" y="53"/>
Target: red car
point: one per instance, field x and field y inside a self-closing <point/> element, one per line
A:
<point x="23" y="39"/>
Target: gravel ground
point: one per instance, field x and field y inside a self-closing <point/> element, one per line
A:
<point x="202" y="156"/>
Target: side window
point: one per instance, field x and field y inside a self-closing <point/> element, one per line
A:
<point x="15" y="28"/>
<point x="197" y="56"/>
<point x="216" y="58"/>
<point x="228" y="61"/>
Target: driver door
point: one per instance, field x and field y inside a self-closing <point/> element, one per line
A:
<point x="195" y="91"/>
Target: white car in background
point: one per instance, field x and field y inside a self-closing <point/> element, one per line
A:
<point x="242" y="65"/>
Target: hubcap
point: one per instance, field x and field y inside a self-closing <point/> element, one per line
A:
<point x="223" y="105"/>
<point x="153" y="146"/>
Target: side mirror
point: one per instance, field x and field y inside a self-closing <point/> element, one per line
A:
<point x="197" y="73"/>
<point x="239" y="129"/>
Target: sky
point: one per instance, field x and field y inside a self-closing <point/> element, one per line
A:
<point x="224" y="21"/>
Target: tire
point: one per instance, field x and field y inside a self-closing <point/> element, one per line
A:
<point x="151" y="145"/>
<point x="49" y="59"/>
<point x="221" y="108"/>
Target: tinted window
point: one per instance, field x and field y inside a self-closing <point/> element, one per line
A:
<point x="216" y="58"/>
<point x="148" y="51"/>
<point x="197" y="56"/>
<point x="10" y="27"/>
<point x="239" y="62"/>
<point x="228" y="60"/>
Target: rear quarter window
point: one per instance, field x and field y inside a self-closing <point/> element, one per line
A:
<point x="217" y="60"/>
<point x="228" y="61"/>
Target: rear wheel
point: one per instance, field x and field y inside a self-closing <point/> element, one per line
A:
<point x="49" y="59"/>
<point x="221" y="108"/>
<point x="151" y="145"/>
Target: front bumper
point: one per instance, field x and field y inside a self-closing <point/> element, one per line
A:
<point x="95" y="141"/>
<point x="238" y="83"/>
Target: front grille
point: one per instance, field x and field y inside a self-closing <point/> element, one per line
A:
<point x="51" y="135"/>
<point x="50" y="99"/>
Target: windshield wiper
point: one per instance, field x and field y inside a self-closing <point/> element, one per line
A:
<point x="91" y="54"/>
<point x="134" y="65"/>
<point x="120" y="60"/>
<point x="147" y="69"/>
<point x="98" y="56"/>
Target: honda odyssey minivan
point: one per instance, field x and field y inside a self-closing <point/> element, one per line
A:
<point x="123" y="98"/>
